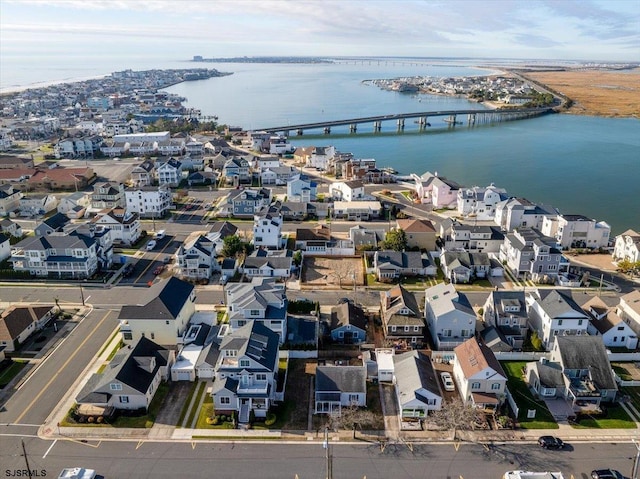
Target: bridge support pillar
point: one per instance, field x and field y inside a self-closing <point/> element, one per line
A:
<point x="471" y="119"/>
<point x="286" y="133"/>
<point x="423" y="122"/>
<point x="300" y="132"/>
<point x="327" y="130"/>
<point x="401" y="124"/>
<point x="377" y="126"/>
<point x="353" y="128"/>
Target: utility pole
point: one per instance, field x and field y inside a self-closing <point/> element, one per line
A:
<point x="26" y="460"/>
<point x="81" y="295"/>
<point x="327" y="454"/>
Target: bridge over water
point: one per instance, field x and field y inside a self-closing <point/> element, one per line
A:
<point x="451" y="117"/>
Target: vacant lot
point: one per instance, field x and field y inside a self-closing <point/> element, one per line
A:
<point x="324" y="271"/>
<point x="599" y="93"/>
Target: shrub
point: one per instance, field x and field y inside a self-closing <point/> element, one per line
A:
<point x="271" y="419"/>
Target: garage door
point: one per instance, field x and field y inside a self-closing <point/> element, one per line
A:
<point x="183" y="376"/>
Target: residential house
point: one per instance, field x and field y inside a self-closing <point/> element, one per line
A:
<point x="130" y="380"/>
<point x="391" y="265"/>
<point x="61" y="179"/>
<point x="162" y="319"/>
<point x="463" y="267"/>
<point x="18" y="322"/>
<point x="169" y="172"/>
<point x="15" y="162"/>
<point x="340" y="387"/>
<point x="262" y="300"/>
<point x="576" y="231"/>
<point x="301" y="189"/>
<point x="9" y="199"/>
<point x="142" y="175"/>
<point x="348" y="324"/>
<point x="458" y="236"/>
<point x="249" y="202"/>
<point x="401" y="318"/>
<point x="196" y="257"/>
<point x="37" y="205"/>
<point x="347" y="190"/>
<point x="202" y="178"/>
<point x="319" y="241"/>
<point x="578" y="371"/>
<point x="417" y="387"/>
<point x="420" y="233"/>
<point x="530" y="254"/>
<point x="515" y="213"/>
<point x="444" y="193"/>
<point x="629" y="309"/>
<point x="449" y="316"/>
<point x="267" y="231"/>
<point x="236" y="171"/>
<point x="56" y="255"/>
<point x="357" y="210"/>
<point x="383" y="366"/>
<point x="266" y="263"/>
<point x="74" y="205"/>
<point x="479" y="376"/>
<point x="10" y="228"/>
<point x="219" y="231"/>
<point x="605" y="322"/>
<point x="108" y="195"/>
<point x="5" y="247"/>
<point x="507" y="312"/>
<point x="480" y="203"/>
<point x="302" y="155"/>
<point x="279" y="145"/>
<point x="124" y="226"/>
<point x="262" y="163"/>
<point x="173" y="146"/>
<point x="53" y="224"/>
<point x="291" y="210"/>
<point x="627" y="246"/>
<point x="320" y="157"/>
<point x="424" y="186"/>
<point x="364" y="238"/>
<point x="246" y="372"/>
<point x="553" y="313"/>
<point x="278" y="175"/>
<point x="149" y="201"/>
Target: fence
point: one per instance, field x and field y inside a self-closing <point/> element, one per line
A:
<point x="512" y="402"/>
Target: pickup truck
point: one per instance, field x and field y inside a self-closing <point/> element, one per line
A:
<point x="77" y="473"/>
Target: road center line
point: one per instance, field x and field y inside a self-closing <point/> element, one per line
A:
<point x="69" y="359"/>
<point x="50" y="447"/>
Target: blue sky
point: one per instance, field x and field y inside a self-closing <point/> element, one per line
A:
<point x="607" y="30"/>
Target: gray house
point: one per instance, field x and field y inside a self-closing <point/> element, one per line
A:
<point x="395" y="264"/>
<point x="417" y="386"/>
<point x="507" y="312"/>
<point x="247" y="203"/>
<point x="338" y="387"/>
<point x="348" y="324"/>
<point x="401" y="317"/>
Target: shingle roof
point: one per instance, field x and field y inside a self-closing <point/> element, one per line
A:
<point x="170" y="299"/>
<point x="16" y="319"/>
<point x="350" y="379"/>
<point x="413" y="370"/>
<point x="348" y="313"/>
<point x="587" y="352"/>
<point x="474" y="357"/>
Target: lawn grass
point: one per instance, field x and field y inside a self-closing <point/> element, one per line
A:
<point x="634" y="394"/>
<point x="524" y="399"/>
<point x="186" y="404"/>
<point x="11" y="372"/>
<point x="195" y="408"/>
<point x="621" y="372"/>
<point x="614" y="418"/>
<point x="106" y="345"/>
<point x="147" y="420"/>
<point x="115" y="350"/>
<point x="207" y="411"/>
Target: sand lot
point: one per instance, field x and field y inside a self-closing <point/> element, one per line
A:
<point x="598" y="93"/>
<point x="330" y="271"/>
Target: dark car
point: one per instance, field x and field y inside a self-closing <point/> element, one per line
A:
<point x="606" y="474"/>
<point x="128" y="270"/>
<point x="550" y="442"/>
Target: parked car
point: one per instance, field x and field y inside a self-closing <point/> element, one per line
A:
<point x="447" y="380"/>
<point x="606" y="474"/>
<point x="128" y="269"/>
<point x="550" y="442"/>
<point x="158" y="270"/>
<point x="77" y="473"/>
<point x="150" y="245"/>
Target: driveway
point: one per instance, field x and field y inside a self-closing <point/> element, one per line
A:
<point x="172" y="407"/>
<point x="390" y="411"/>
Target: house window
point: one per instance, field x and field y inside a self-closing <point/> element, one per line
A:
<point x="393" y="329"/>
<point x="559" y="322"/>
<point x="341" y="334"/>
<point x="261" y="377"/>
<point x="406" y="329"/>
<point x="153" y="335"/>
<point x="115" y="387"/>
<point x="127" y="335"/>
<point x="475" y="386"/>
<point x="416" y="329"/>
<point x="495" y="386"/>
<point x="580" y="322"/>
<point x="225" y="400"/>
<point x="254" y="312"/>
<point x="353" y="398"/>
<point x="244" y="363"/>
<point x="124" y="399"/>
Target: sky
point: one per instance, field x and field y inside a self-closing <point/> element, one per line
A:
<point x="587" y="30"/>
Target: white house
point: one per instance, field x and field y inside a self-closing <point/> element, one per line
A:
<point x="169" y="172"/>
<point x="480" y="378"/>
<point x="75" y="204"/>
<point x="416" y="384"/>
<point x="18" y="322"/>
<point x="196" y="257"/>
<point x="627" y="246"/>
<point x="553" y="313"/>
<point x="268" y="263"/>
<point x="267" y="231"/>
<point x="605" y="322"/>
<point x="480" y="203"/>
<point x="124" y="226"/>
<point x="320" y="157"/>
<point x="513" y="213"/>
<point x="9" y="199"/>
<point x="301" y="189"/>
<point x="5" y="247"/>
<point x="629" y="309"/>
<point x="577" y="231"/>
<point x="449" y="316"/>
<point x="527" y="252"/>
<point x="164" y="318"/>
<point x="357" y="210"/>
<point x="347" y="190"/>
<point x="149" y="201"/>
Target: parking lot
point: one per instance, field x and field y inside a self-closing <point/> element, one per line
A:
<point x="152" y="264"/>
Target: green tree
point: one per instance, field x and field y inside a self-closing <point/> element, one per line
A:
<point x="536" y="342"/>
<point x="297" y="258"/>
<point x="232" y="246"/>
<point x="396" y="240"/>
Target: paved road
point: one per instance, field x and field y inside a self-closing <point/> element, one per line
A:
<point x="124" y="460"/>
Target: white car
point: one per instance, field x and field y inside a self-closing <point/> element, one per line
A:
<point x="447" y="380"/>
<point x="77" y="473"/>
<point x="151" y="244"/>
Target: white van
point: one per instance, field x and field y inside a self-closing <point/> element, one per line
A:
<point x="160" y="234"/>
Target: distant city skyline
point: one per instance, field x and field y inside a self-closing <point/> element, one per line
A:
<point x="598" y="31"/>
